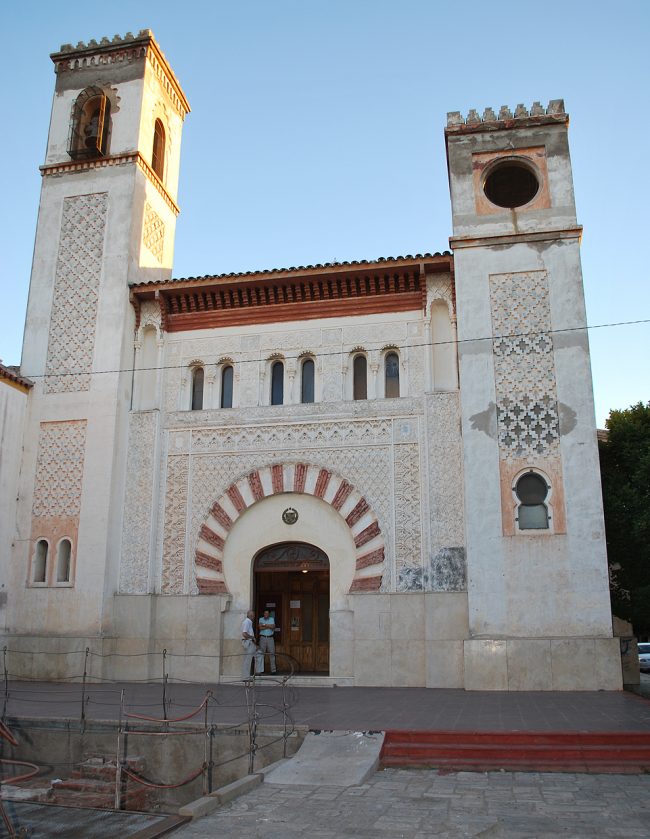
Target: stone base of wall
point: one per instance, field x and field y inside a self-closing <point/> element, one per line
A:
<point x="382" y="640"/>
<point x="543" y="664"/>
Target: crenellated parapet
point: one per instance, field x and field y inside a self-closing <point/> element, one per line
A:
<point x="122" y="50"/>
<point x="490" y="120"/>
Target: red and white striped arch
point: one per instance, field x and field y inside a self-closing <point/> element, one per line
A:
<point x="289" y="478"/>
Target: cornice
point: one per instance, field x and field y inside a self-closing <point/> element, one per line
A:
<point x="73" y="166"/>
<point x="120" y="50"/>
<point x="358" y="290"/>
<point x="458" y="242"/>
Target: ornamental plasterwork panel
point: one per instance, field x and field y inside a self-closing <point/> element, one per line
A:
<point x="153" y="232"/>
<point x="439" y="288"/>
<point x="293" y="435"/>
<point x="59" y="469"/>
<point x="375" y="334"/>
<point x="444" y="472"/>
<point x="318" y="411"/>
<point x="369" y="470"/>
<point x="298" y="340"/>
<point x="524" y="368"/>
<point x="150" y="314"/>
<point x="175" y="522"/>
<point x="71" y="339"/>
<point x="138" y="505"/>
<point x="408" y="517"/>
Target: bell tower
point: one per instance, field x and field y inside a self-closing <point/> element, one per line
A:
<point x="106" y="220"/>
<point x="537" y="569"/>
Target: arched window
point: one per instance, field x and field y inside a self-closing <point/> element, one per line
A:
<point x="158" y="153"/>
<point x="226" y="386"/>
<point x="197" y="388"/>
<point x="532" y="491"/>
<point x="277" y="383"/>
<point x="63" y="556"/>
<point x="89" y="126"/>
<point x="391" y="375"/>
<point x="307" y="380"/>
<point x="360" y="377"/>
<point x="40" y="561"/>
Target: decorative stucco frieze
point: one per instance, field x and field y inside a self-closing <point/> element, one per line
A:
<point x="445" y="471"/>
<point x="138" y="505"/>
<point x="71" y="340"/>
<point x="524" y="368"/>
<point x="408" y="517"/>
<point x="153" y="232"/>
<point x="175" y="523"/>
<point x="59" y="469"/>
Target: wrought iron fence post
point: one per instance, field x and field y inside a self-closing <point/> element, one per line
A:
<point x="164" y="671"/>
<point x="118" y="764"/>
<point x="6" y="680"/>
<point x="83" y="692"/>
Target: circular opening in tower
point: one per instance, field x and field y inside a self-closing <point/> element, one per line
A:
<point x="510" y="184"/>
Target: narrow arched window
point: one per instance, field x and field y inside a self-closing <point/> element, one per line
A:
<point x="197" y="389"/>
<point x="277" y="383"/>
<point x="226" y="386"/>
<point x="307" y="381"/>
<point x="531" y="491"/>
<point x="158" y="153"/>
<point x="40" y="561"/>
<point x="391" y="375"/>
<point x="360" y="377"/>
<point x="63" y="557"/>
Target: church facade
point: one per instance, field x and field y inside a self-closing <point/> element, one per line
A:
<point x="396" y="457"/>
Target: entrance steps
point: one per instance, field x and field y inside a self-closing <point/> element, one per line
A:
<point x="572" y="751"/>
<point x="91" y="785"/>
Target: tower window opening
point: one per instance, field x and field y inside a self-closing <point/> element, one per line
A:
<point x="532" y="491"/>
<point x="158" y="153"/>
<point x="90" y="124"/>
<point x="511" y="184"/>
<point x="40" y="561"/>
<point x="64" y="554"/>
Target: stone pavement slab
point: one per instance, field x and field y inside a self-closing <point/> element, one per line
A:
<point x="335" y="758"/>
<point x="417" y="804"/>
<point x="347" y="709"/>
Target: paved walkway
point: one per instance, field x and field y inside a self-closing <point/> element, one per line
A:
<point x="415" y="804"/>
<point x="351" y="709"/>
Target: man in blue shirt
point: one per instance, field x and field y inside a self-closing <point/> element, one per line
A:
<point x="267" y="641"/>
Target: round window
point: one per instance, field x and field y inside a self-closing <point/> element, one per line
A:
<point x="511" y="184"/>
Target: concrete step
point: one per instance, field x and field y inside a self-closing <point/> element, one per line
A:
<point x="605" y="752"/>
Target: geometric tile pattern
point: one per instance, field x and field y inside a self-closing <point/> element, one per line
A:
<point x="524" y="369"/>
<point x="76" y="286"/>
<point x="153" y="235"/>
<point x="59" y="469"/>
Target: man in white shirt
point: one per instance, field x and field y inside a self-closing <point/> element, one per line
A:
<point x="250" y="647"/>
<point x="267" y="641"/>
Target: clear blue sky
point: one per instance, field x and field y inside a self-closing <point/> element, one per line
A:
<point x="317" y="134"/>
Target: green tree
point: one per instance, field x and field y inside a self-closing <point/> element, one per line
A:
<point x="625" y="469"/>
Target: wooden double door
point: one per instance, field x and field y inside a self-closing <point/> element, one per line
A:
<point x="299" y="601"/>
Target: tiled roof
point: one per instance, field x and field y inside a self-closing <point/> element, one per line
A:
<point x="266" y="271"/>
<point x="12" y="374"/>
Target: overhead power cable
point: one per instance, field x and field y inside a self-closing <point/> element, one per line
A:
<point x="369" y="344"/>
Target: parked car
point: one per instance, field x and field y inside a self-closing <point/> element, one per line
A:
<point x="644" y="656"/>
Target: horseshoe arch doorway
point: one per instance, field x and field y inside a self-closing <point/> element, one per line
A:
<point x="292" y="581"/>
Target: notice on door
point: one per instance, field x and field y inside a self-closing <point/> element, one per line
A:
<point x="294" y="604"/>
